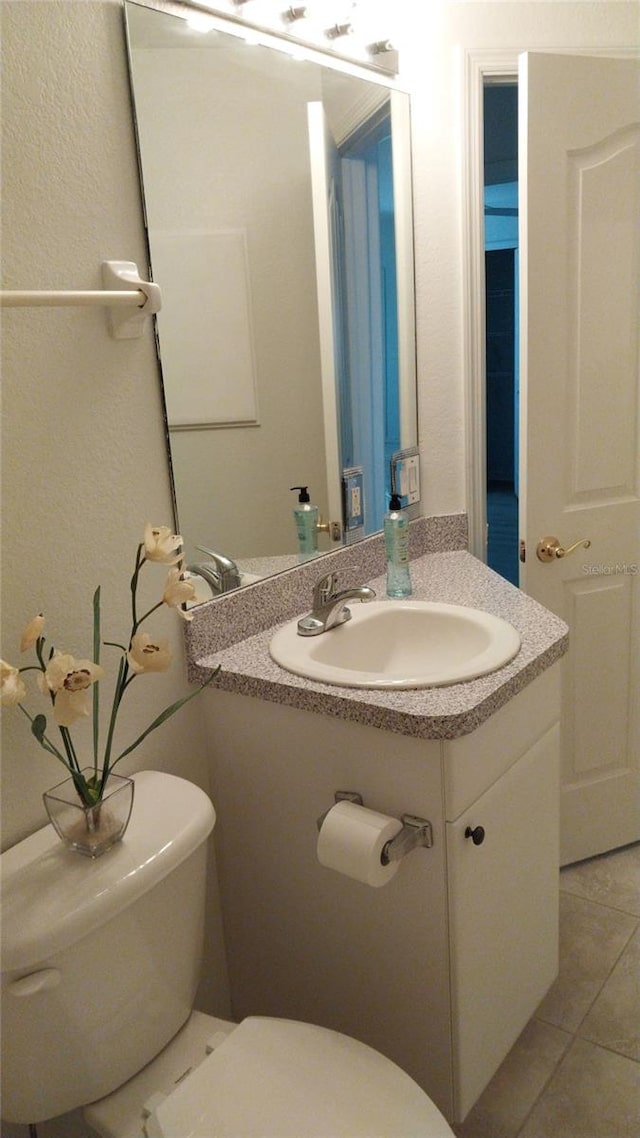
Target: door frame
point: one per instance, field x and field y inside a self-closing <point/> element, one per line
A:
<point x="478" y="66"/>
<point x="499" y="65"/>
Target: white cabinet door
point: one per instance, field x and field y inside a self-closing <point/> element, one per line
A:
<point x="503" y="910"/>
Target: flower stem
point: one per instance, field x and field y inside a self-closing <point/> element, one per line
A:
<point x="140" y="560"/>
<point x="74" y="765"/>
<point x="143" y="618"/>
<point x="96" y="686"/>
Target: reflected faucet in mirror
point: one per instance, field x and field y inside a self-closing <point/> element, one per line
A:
<point x="277" y="199"/>
<point x="221" y="573"/>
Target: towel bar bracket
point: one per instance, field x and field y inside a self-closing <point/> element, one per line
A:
<point x="129" y="299"/>
<point x="127" y="324"/>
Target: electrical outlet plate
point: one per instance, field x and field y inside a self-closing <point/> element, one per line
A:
<point x="353" y="499"/>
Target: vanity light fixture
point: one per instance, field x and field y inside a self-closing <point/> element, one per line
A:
<point x="380" y="47"/>
<point x="200" y="22"/>
<point x="339" y="30"/>
<point x="335" y="27"/>
<point x="294" y="13"/>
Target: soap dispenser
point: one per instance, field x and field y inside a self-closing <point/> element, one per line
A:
<point x="306" y="517"/>
<point x="396" y="541"/>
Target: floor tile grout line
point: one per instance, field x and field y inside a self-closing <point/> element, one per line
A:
<point x="575" y="1035"/>
<point x="611" y="970"/>
<point x="601" y="904"/>
<point x="576" y="1031"/>
<point x="575" y="1038"/>
<point x="552" y="1074"/>
<point x="607" y="1047"/>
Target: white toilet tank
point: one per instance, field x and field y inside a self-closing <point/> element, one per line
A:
<point x="100" y="959"/>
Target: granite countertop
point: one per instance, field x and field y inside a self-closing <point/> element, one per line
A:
<point x="431" y="713"/>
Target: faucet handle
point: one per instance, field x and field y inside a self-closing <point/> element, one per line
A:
<point x="324" y="589"/>
<point x="209" y="552"/>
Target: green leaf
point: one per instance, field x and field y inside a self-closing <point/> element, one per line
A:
<point x="92" y="790"/>
<point x="39" y="727"/>
<point x="41" y="737"/>
<point x="166" y="714"/>
<point x="88" y="791"/>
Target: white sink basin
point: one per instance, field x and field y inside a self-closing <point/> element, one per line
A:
<point x="399" y="644"/>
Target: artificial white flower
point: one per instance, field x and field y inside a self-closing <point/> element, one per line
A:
<point x="66" y="673"/>
<point x="12" y="689"/>
<point x="32" y="632"/>
<point x="160" y="544"/>
<point x="67" y="683"/>
<point x="70" y="705"/>
<point x="147" y="655"/>
<point x="178" y="591"/>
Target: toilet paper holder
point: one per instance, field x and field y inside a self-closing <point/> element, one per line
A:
<point x="415" y="831"/>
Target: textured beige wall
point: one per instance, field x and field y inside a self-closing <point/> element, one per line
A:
<point x="83" y="454"/>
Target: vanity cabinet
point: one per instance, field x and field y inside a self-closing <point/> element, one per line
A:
<point x="441" y="968"/>
<point x="502" y="884"/>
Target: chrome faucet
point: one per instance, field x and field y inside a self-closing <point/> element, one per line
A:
<point x="222" y="574"/>
<point x="329" y="606"/>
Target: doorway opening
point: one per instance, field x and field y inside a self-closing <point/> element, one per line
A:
<point x="501" y="328"/>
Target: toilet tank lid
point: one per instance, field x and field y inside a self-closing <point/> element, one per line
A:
<point x="51" y="897"/>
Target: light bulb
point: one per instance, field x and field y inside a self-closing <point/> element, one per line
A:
<point x="200" y="22"/>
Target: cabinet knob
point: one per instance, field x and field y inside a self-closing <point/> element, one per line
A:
<point x="476" y="835"/>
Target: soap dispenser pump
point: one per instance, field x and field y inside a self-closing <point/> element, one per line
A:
<point x="396" y="540"/>
<point x="306" y="517"/>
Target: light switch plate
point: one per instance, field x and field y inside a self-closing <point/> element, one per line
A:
<point x="405" y="475"/>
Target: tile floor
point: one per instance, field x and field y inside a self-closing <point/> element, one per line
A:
<point x="575" y="1070"/>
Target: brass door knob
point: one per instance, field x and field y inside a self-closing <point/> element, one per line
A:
<point x="549" y="548"/>
<point x="334" y="529"/>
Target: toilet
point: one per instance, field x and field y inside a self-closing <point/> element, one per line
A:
<point x="100" y="963"/>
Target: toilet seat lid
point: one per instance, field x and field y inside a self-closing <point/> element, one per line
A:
<point x="274" y="1078"/>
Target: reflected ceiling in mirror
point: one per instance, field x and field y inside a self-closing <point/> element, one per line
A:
<point x="277" y="196"/>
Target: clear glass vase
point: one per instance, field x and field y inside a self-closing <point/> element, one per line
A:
<point x="90" y="830"/>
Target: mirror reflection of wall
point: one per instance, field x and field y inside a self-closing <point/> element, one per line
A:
<point x="256" y="400"/>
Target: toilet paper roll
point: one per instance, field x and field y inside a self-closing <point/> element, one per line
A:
<point x="351" y="841"/>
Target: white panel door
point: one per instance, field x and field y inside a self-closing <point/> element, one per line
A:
<point x="580" y="469"/>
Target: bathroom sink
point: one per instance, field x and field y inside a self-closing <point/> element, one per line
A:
<point x="400" y="644"/>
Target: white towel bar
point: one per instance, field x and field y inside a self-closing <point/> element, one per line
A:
<point x="44" y="299"/>
<point x="123" y="290"/>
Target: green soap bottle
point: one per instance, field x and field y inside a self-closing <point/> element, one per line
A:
<point x="396" y="542"/>
<point x="306" y="517"/>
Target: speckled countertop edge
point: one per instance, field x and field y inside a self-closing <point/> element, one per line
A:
<point x="431" y="713"/>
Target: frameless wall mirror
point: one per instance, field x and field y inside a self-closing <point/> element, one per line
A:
<point x="277" y="194"/>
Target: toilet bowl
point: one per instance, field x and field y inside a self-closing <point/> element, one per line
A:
<point x="100" y="962"/>
<point x="267" y="1078"/>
